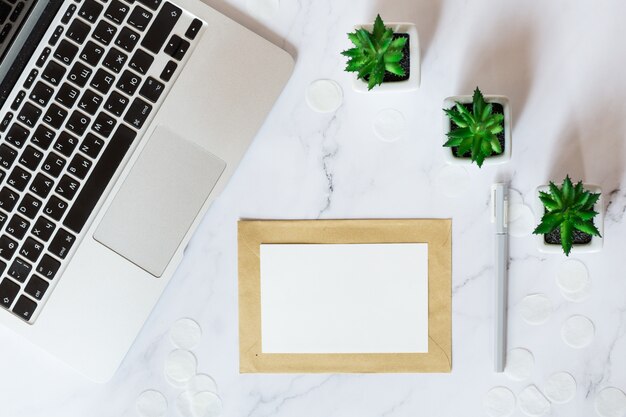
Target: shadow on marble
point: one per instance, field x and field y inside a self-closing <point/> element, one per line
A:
<point x="424" y="13"/>
<point x="244" y="18"/>
<point x="501" y="63"/>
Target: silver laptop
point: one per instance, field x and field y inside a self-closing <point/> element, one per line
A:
<point x="120" y="122"/>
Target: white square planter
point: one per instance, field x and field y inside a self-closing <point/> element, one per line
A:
<point x="413" y="82"/>
<point x="596" y="242"/>
<point x="508" y="124"/>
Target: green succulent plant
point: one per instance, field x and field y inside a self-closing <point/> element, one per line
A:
<point x="568" y="208"/>
<point x="374" y="53"/>
<point x="477" y="131"/>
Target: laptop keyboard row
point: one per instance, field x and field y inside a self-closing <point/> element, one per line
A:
<point x="103" y="71"/>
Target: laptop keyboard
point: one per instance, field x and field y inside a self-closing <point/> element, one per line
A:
<point x="95" y="82"/>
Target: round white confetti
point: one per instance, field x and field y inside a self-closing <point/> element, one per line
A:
<point x="532" y="402"/>
<point x="521" y="220"/>
<point x="578" y="332"/>
<point x="573" y="276"/>
<point x="389" y="125"/>
<point x="452" y="181"/>
<point x="265" y="9"/>
<point x="201" y="382"/>
<point x="180" y="366"/>
<point x="185" y="334"/>
<point x="499" y="402"/>
<point x="515" y="197"/>
<point x="324" y="96"/>
<point x="578" y="297"/>
<point x="151" y="403"/>
<point x="519" y="364"/>
<point x="536" y="309"/>
<point x="207" y="404"/>
<point x="184" y="404"/>
<point x="611" y="402"/>
<point x="560" y="388"/>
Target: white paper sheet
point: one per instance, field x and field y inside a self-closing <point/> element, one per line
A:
<point x="335" y="298"/>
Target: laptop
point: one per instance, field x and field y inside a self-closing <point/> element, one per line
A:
<point x="120" y="122"/>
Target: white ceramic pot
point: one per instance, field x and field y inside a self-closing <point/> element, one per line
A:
<point x="596" y="242"/>
<point x="508" y="124"/>
<point x="413" y="82"/>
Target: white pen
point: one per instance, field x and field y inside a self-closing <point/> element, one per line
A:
<point x="500" y="200"/>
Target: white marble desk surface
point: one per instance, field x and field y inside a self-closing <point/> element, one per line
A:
<point x="562" y="64"/>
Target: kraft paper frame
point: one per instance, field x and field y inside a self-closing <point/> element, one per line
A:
<point x="436" y="232"/>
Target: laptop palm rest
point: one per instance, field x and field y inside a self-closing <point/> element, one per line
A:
<point x="159" y="200"/>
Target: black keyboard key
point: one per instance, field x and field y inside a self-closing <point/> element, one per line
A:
<point x="65" y="144"/>
<point x="18" y="100"/>
<point x="7" y="156"/>
<point x="29" y="206"/>
<point x="42" y="137"/>
<point x="48" y="266"/>
<point x="139" y="18"/>
<point x="176" y="47"/>
<point x="61" y="243"/>
<point x="90" y="102"/>
<point x="19" y="178"/>
<point x="31" y="249"/>
<point x="115" y="60"/>
<point x="116" y="103"/>
<point x="141" y="61"/>
<point x="17" y="135"/>
<point x="55" y="208"/>
<point x="66" y="52"/>
<point x="43" y="57"/>
<point x="8" y="199"/>
<point x="92" y="53"/>
<point x="3" y="220"/>
<point x="67" y="187"/>
<point x="17" y="11"/>
<point x="6" y="121"/>
<point x="8" y="292"/>
<point x="79" y="166"/>
<point x="20" y="270"/>
<point x="36" y="287"/>
<point x="43" y="228"/>
<point x="53" y="164"/>
<point x="55" y="116"/>
<point x="7" y="247"/>
<point x="153" y="4"/>
<point x="53" y="73"/>
<point x="193" y="29"/>
<point x="77" y="123"/>
<point x="138" y="113"/>
<point x="67" y="95"/>
<point x="152" y="89"/>
<point x="128" y="82"/>
<point x="104" y="32"/>
<point x="90" y="11"/>
<point x="102" y="81"/>
<point x="32" y="75"/>
<point x="41" y="185"/>
<point x="117" y="11"/>
<point x="91" y="145"/>
<point x="29" y="115"/>
<point x="41" y="93"/>
<point x="79" y="74"/>
<point x="68" y="14"/>
<point x="5" y="11"/>
<point x="127" y="39"/>
<point x="78" y="31"/>
<point x="99" y="179"/>
<point x="25" y="307"/>
<point x="56" y="35"/>
<point x="2" y="175"/>
<point x="31" y="157"/>
<point x="104" y="124"/>
<point x="161" y="27"/>
<point x="17" y="227"/>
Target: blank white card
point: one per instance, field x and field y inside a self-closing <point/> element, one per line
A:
<point x="344" y="298"/>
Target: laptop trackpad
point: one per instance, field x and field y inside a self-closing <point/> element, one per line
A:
<point x="159" y="200"/>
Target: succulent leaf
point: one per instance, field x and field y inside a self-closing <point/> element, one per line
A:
<point x="568" y="208"/>
<point x="375" y="53"/>
<point x="481" y="123"/>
